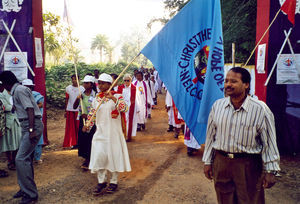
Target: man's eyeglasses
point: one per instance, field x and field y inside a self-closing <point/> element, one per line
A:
<point x="126" y="80"/>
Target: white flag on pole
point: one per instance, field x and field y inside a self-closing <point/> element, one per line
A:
<point x="66" y="15"/>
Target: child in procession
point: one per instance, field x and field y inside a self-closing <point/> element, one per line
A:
<point x="109" y="150"/>
<point x="85" y="138"/>
<point x="72" y="124"/>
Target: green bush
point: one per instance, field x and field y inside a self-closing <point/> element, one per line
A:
<point x="58" y="78"/>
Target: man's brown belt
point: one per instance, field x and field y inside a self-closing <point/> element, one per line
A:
<point x="236" y="155"/>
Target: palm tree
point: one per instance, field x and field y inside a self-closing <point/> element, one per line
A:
<point x="109" y="51"/>
<point x="100" y="42"/>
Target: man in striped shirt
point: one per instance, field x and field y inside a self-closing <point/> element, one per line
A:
<point x="241" y="154"/>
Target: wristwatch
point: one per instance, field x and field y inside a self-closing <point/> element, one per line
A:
<point x="30" y="130"/>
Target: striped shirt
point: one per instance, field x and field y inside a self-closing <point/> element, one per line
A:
<point x="249" y="129"/>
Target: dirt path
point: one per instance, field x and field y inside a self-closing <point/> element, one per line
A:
<point x="161" y="171"/>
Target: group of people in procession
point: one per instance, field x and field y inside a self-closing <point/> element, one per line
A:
<point x="241" y="154"/>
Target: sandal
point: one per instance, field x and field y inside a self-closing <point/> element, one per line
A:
<point x="3" y="174"/>
<point x="85" y="165"/>
<point x="112" y="188"/>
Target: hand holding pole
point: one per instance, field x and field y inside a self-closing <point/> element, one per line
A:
<point x="110" y="88"/>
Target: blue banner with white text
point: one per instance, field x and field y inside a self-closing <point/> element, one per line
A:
<point x="188" y="55"/>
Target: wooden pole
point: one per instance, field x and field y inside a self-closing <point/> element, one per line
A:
<point x="261" y="38"/>
<point x="233" y="54"/>
<point x="73" y="53"/>
<point x="75" y="67"/>
<point x="110" y="88"/>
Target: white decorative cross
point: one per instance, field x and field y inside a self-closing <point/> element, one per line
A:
<point x="17" y="46"/>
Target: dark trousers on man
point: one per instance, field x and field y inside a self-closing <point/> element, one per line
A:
<point x="24" y="158"/>
<point x="238" y="180"/>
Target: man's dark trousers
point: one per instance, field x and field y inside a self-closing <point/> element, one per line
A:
<point x="24" y="160"/>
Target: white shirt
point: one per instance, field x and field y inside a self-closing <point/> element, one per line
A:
<point x="73" y="92"/>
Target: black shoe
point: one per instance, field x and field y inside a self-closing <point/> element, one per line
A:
<point x="143" y="126"/>
<point x="26" y="200"/>
<point x="190" y="151"/>
<point x="176" y="135"/>
<point x="98" y="190"/>
<point x="74" y="147"/>
<point x="170" y="128"/>
<point x="19" y="194"/>
<point x="112" y="188"/>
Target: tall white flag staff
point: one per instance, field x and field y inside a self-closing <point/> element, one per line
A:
<point x="66" y="17"/>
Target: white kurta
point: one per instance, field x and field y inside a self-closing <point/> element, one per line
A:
<point x="192" y="142"/>
<point x="152" y="92"/>
<point x="169" y="103"/>
<point x="109" y="149"/>
<point x="141" y="98"/>
<point x="126" y="95"/>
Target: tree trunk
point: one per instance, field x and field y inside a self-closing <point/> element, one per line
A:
<point x="101" y="54"/>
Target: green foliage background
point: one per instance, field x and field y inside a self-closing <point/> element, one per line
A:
<point x="58" y="78"/>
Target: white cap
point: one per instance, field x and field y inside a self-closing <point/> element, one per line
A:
<point x="105" y="77"/>
<point x="89" y="78"/>
<point x="27" y="82"/>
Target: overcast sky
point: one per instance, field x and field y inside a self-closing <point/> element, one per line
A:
<point x="110" y="17"/>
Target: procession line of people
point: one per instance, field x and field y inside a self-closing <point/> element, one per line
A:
<point x="240" y="154"/>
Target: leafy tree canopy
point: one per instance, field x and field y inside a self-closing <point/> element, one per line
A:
<point x="239" y="25"/>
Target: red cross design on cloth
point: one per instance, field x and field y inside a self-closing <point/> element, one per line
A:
<point x="288" y="62"/>
<point x="15" y="60"/>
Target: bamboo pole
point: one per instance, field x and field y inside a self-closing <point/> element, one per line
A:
<point x="261" y="38"/>
<point x="110" y="88"/>
<point x="75" y="67"/>
<point x="233" y="54"/>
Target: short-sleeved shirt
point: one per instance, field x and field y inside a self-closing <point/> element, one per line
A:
<point x="72" y="92"/>
<point x="23" y="99"/>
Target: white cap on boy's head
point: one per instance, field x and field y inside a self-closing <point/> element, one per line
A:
<point x="89" y="78"/>
<point x="105" y="77"/>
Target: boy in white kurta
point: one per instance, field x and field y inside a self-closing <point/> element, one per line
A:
<point x="109" y="149"/>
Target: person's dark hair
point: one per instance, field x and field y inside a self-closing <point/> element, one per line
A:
<point x="74" y="76"/>
<point x="139" y="72"/>
<point x="114" y="76"/>
<point x="246" y="77"/>
<point x="89" y="74"/>
<point x="8" y="78"/>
